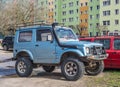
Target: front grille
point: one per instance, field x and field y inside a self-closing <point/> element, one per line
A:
<point x="97" y="50"/>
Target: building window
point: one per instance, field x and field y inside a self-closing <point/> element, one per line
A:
<point x="81" y="21"/>
<point x="106" y="13"/>
<point x="71" y="12"/>
<point x="64" y="12"/>
<point x="86" y="3"/>
<point x="86" y="20"/>
<point x="116" y="1"/>
<point x="97" y="16"/>
<point x="64" y="6"/>
<point x="116" y="11"/>
<point x="77" y="2"/>
<point x="55" y="13"/>
<point x="77" y="18"/>
<point x="70" y="19"/>
<point x="90" y="16"/>
<point x="91" y="8"/>
<point x="116" y="22"/>
<point x="98" y="7"/>
<point x="97" y="25"/>
<point x="63" y="20"/>
<point x="81" y="12"/>
<point x="55" y="6"/>
<point x="81" y="4"/>
<point x="90" y="25"/>
<point x="106" y="3"/>
<point x="77" y="10"/>
<point x="106" y="22"/>
<point x="71" y="4"/>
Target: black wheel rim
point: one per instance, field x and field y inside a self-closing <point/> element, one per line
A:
<point x="71" y="69"/>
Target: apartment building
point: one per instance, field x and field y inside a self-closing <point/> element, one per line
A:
<point x="94" y="17"/>
<point x="67" y="11"/>
<point x="110" y="16"/>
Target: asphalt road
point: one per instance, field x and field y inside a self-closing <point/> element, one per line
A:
<point x="6" y="64"/>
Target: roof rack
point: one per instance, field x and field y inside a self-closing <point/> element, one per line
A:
<point x="27" y="24"/>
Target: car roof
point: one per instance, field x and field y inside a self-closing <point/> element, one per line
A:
<point x="34" y="27"/>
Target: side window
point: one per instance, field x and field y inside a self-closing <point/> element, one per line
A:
<point x="25" y="36"/>
<point x="44" y="35"/>
<point x="105" y="42"/>
<point x="117" y="44"/>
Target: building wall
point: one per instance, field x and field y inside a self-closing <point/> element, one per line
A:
<point x="67" y="11"/>
<point x="111" y="16"/>
<point x="94" y="17"/>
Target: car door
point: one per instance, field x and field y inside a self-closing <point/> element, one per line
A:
<point x="44" y="47"/>
<point x="116" y="53"/>
<point x="106" y="43"/>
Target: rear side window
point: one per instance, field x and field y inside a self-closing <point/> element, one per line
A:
<point x="25" y="36"/>
<point x="105" y="42"/>
<point x="117" y="44"/>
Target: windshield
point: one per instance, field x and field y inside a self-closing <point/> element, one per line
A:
<point x="64" y="35"/>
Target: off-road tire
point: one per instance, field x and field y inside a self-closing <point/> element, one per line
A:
<point x="27" y="67"/>
<point x="76" y="68"/>
<point x="48" y="68"/>
<point x="95" y="70"/>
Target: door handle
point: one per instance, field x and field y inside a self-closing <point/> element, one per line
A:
<point x="36" y="45"/>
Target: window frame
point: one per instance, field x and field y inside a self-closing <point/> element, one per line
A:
<point x="43" y="31"/>
<point x="20" y="41"/>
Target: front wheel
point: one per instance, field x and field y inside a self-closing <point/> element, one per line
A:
<point x="94" y="67"/>
<point x="49" y="68"/>
<point x="72" y="69"/>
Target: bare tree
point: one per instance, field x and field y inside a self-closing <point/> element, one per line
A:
<point x="102" y="28"/>
<point x="22" y="12"/>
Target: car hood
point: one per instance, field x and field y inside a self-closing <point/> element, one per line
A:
<point x="80" y="43"/>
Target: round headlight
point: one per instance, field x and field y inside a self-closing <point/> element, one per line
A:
<point x="87" y="50"/>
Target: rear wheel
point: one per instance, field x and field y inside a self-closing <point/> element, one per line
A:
<point x="94" y="68"/>
<point x="72" y="69"/>
<point x="23" y="67"/>
<point x="49" y="68"/>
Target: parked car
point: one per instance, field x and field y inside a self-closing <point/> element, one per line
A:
<point x="52" y="45"/>
<point x="112" y="47"/>
<point x="7" y="43"/>
<point x="0" y="41"/>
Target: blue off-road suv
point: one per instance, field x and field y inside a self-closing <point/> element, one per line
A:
<point x="52" y="45"/>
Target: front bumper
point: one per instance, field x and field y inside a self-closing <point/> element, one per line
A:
<point x="97" y="57"/>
